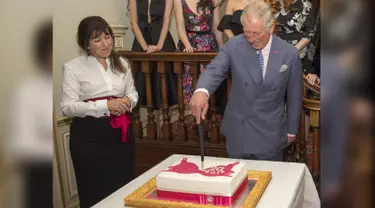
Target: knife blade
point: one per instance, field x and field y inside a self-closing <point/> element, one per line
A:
<point x="201" y="138"/>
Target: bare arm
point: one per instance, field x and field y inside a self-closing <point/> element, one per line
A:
<point x="218" y="34"/>
<point x="302" y="43"/>
<point x="180" y="23"/>
<point x="134" y="24"/>
<point x="309" y="25"/>
<point x="229" y="11"/>
<point x="165" y="28"/>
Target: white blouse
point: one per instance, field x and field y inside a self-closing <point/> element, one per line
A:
<point x="85" y="78"/>
<point x="31" y="125"/>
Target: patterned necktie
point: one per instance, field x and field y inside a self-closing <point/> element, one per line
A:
<point x="261" y="60"/>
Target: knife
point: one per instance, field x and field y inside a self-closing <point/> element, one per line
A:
<point x="201" y="138"/>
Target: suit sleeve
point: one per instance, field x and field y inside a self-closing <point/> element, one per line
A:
<point x="294" y="99"/>
<point x="216" y="71"/>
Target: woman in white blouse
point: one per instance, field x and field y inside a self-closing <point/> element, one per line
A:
<point x="99" y="93"/>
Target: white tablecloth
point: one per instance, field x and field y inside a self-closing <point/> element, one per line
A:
<point x="291" y="186"/>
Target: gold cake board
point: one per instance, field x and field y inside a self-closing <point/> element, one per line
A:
<point x="139" y="197"/>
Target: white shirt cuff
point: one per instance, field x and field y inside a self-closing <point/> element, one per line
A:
<point x="203" y="90"/>
<point x="102" y="108"/>
<point x="132" y="103"/>
<point x="291" y="135"/>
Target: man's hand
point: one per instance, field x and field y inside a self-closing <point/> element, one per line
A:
<point x="199" y="106"/>
<point x="291" y="138"/>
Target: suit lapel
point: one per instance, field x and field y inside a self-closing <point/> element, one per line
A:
<point x="275" y="61"/>
<point x="252" y="63"/>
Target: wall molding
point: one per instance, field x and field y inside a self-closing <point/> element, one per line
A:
<point x="68" y="163"/>
<point x="64" y="163"/>
<point x="63" y="121"/>
<point x="119" y="32"/>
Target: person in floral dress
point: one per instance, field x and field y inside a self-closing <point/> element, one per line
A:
<point x="296" y="23"/>
<point x="197" y="23"/>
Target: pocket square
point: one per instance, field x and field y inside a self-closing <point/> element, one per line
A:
<point x="283" y="68"/>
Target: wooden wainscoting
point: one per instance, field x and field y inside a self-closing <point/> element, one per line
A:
<point x="64" y="164"/>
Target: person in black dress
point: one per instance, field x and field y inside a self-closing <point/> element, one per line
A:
<point x="98" y="93"/>
<point x="230" y="24"/>
<point x="150" y="24"/>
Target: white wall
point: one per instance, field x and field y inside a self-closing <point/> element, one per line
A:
<point x="17" y="61"/>
<point x="67" y="16"/>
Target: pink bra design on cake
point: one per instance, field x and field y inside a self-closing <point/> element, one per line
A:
<point x="186" y="167"/>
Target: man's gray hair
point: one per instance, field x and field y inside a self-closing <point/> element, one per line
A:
<point x="258" y="9"/>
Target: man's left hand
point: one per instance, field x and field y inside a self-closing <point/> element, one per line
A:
<point x="291" y="138"/>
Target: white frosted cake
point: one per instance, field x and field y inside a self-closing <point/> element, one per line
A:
<point x="220" y="182"/>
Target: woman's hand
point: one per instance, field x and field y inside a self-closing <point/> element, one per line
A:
<point x="118" y="106"/>
<point x="128" y="103"/>
<point x="312" y="78"/>
<point x="152" y="48"/>
<point x="145" y="48"/>
<point x="159" y="47"/>
<point x="189" y="49"/>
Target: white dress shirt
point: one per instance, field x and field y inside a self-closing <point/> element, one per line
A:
<point x="85" y="78"/>
<point x="31" y="121"/>
<point x="266" y="53"/>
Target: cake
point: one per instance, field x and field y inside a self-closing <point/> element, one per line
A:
<point x="220" y="182"/>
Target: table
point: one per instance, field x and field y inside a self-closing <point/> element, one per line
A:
<point x="291" y="186"/>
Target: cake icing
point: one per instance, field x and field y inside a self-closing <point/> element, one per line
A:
<point x="220" y="180"/>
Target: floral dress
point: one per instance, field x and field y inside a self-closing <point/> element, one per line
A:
<point x="201" y="37"/>
<point x="296" y="23"/>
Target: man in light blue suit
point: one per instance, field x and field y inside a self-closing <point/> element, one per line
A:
<point x="263" y="68"/>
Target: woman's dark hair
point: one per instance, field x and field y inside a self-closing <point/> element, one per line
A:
<point x="202" y="5"/>
<point x="92" y="27"/>
<point x="43" y="45"/>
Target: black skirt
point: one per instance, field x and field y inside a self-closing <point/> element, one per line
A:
<point x="102" y="163"/>
<point x="38" y="181"/>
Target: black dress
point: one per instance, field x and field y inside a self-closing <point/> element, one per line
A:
<point x="151" y="33"/>
<point x="316" y="59"/>
<point x="232" y="22"/>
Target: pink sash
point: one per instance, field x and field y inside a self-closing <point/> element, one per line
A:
<point x="122" y="121"/>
